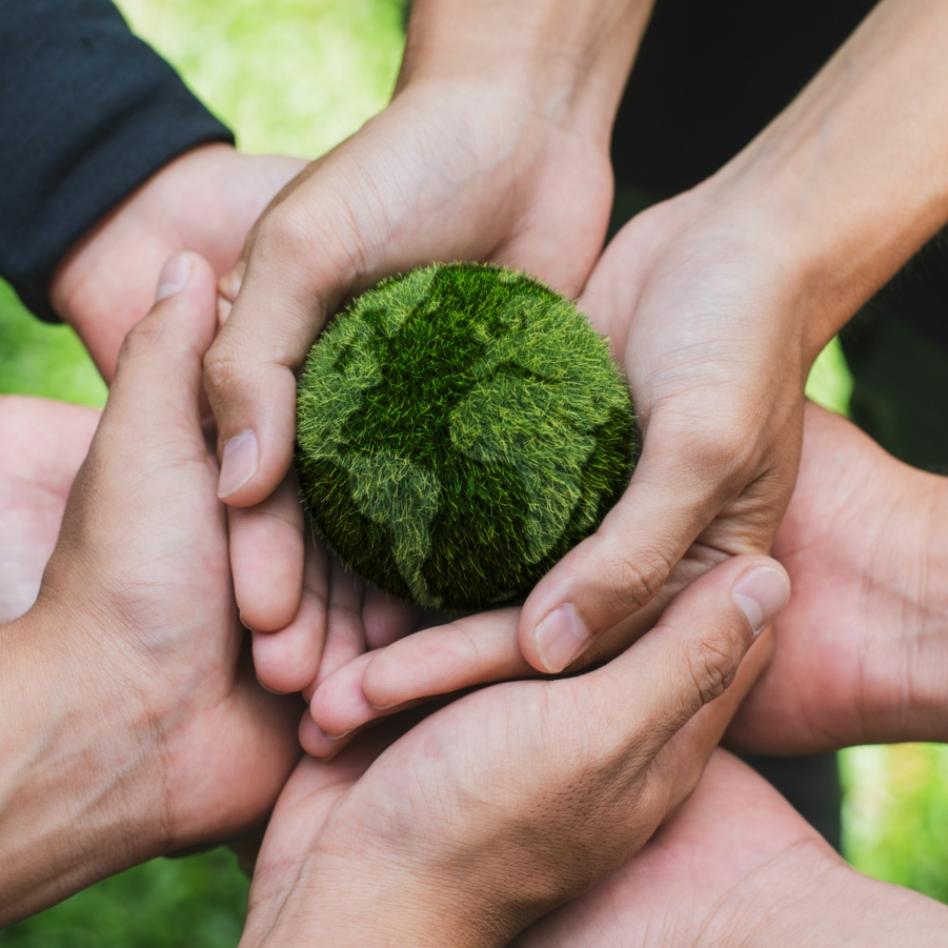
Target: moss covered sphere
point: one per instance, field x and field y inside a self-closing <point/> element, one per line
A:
<point x="459" y="429"/>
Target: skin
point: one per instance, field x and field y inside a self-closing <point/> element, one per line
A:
<point x="495" y="147"/>
<point x="870" y="572"/>
<point x="738" y="867"/>
<point x="869" y="568"/>
<point x="415" y="839"/>
<point x="207" y="200"/>
<point x="716" y="303"/>
<point x="129" y="712"/>
<point x="733" y="867"/>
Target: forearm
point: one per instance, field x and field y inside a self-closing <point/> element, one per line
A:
<point x="97" y="113"/>
<point x="854" y="174"/>
<point x="77" y="801"/>
<point x="571" y="58"/>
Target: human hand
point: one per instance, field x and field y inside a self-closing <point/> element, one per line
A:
<point x="738" y="867"/>
<point x="131" y="728"/>
<point x="512" y="799"/>
<point x="862" y="648"/>
<point x="205" y="201"/>
<point x="503" y="160"/>
<point x="44" y="444"/>
<point x="719" y="393"/>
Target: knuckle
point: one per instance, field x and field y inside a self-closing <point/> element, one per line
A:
<point x="221" y="374"/>
<point x="284" y="231"/>
<point x="142" y="338"/>
<point x="712" y="661"/>
<point x="724" y="449"/>
<point x="634" y="580"/>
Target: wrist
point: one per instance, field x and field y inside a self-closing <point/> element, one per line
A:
<point x="565" y="60"/>
<point x="374" y="902"/>
<point x="853" y="204"/>
<point x="80" y="795"/>
<point x="95" y="286"/>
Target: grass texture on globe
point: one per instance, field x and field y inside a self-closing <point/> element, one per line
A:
<point x="459" y="429"/>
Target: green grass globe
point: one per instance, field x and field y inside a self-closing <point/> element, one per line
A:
<point x="459" y="429"/>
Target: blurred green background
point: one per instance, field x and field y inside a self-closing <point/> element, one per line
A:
<point x="296" y="76"/>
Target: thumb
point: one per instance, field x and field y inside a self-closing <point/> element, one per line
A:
<point x="290" y="279"/>
<point x="618" y="570"/>
<point x="157" y="387"/>
<point x="687" y="660"/>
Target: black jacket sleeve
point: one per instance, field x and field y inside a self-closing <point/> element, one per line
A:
<point x="87" y="113"/>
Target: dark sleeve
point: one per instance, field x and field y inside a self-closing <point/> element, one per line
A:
<point x="87" y="113"/>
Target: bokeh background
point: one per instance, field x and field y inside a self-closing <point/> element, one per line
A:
<point x="296" y="76"/>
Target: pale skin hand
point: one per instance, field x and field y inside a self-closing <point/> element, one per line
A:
<point x="495" y="147"/>
<point x="514" y="799"/>
<point x="129" y="719"/>
<point x="738" y="867"/>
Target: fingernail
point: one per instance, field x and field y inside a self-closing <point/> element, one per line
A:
<point x="174" y="276"/>
<point x="238" y="462"/>
<point x="561" y="637"/>
<point x="760" y="594"/>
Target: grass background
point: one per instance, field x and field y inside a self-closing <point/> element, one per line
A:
<point x="296" y="76"/>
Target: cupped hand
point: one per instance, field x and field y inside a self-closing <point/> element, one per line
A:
<point x="738" y="867"/>
<point x="139" y="583"/>
<point x="449" y="170"/>
<point x="704" y="308"/>
<point x="862" y="649"/>
<point x="515" y="798"/>
<point x="704" y="315"/>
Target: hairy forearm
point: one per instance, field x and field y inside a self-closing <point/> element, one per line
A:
<point x="855" y="171"/>
<point x="570" y="57"/>
<point x="76" y="800"/>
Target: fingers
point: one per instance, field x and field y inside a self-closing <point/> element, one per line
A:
<point x="266" y="556"/>
<point x="345" y="634"/>
<point x="436" y="661"/>
<point x="157" y="387"/>
<point x="296" y="272"/>
<point x="288" y="660"/>
<point x="622" y="566"/>
<point x="687" y="661"/>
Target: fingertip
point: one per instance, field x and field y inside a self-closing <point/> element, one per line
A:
<point x="338" y="705"/>
<point x="557" y="640"/>
<point x="382" y="686"/>
<point x="267" y="555"/>
<point x="315" y="742"/>
<point x="760" y="592"/>
<point x="287" y="661"/>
